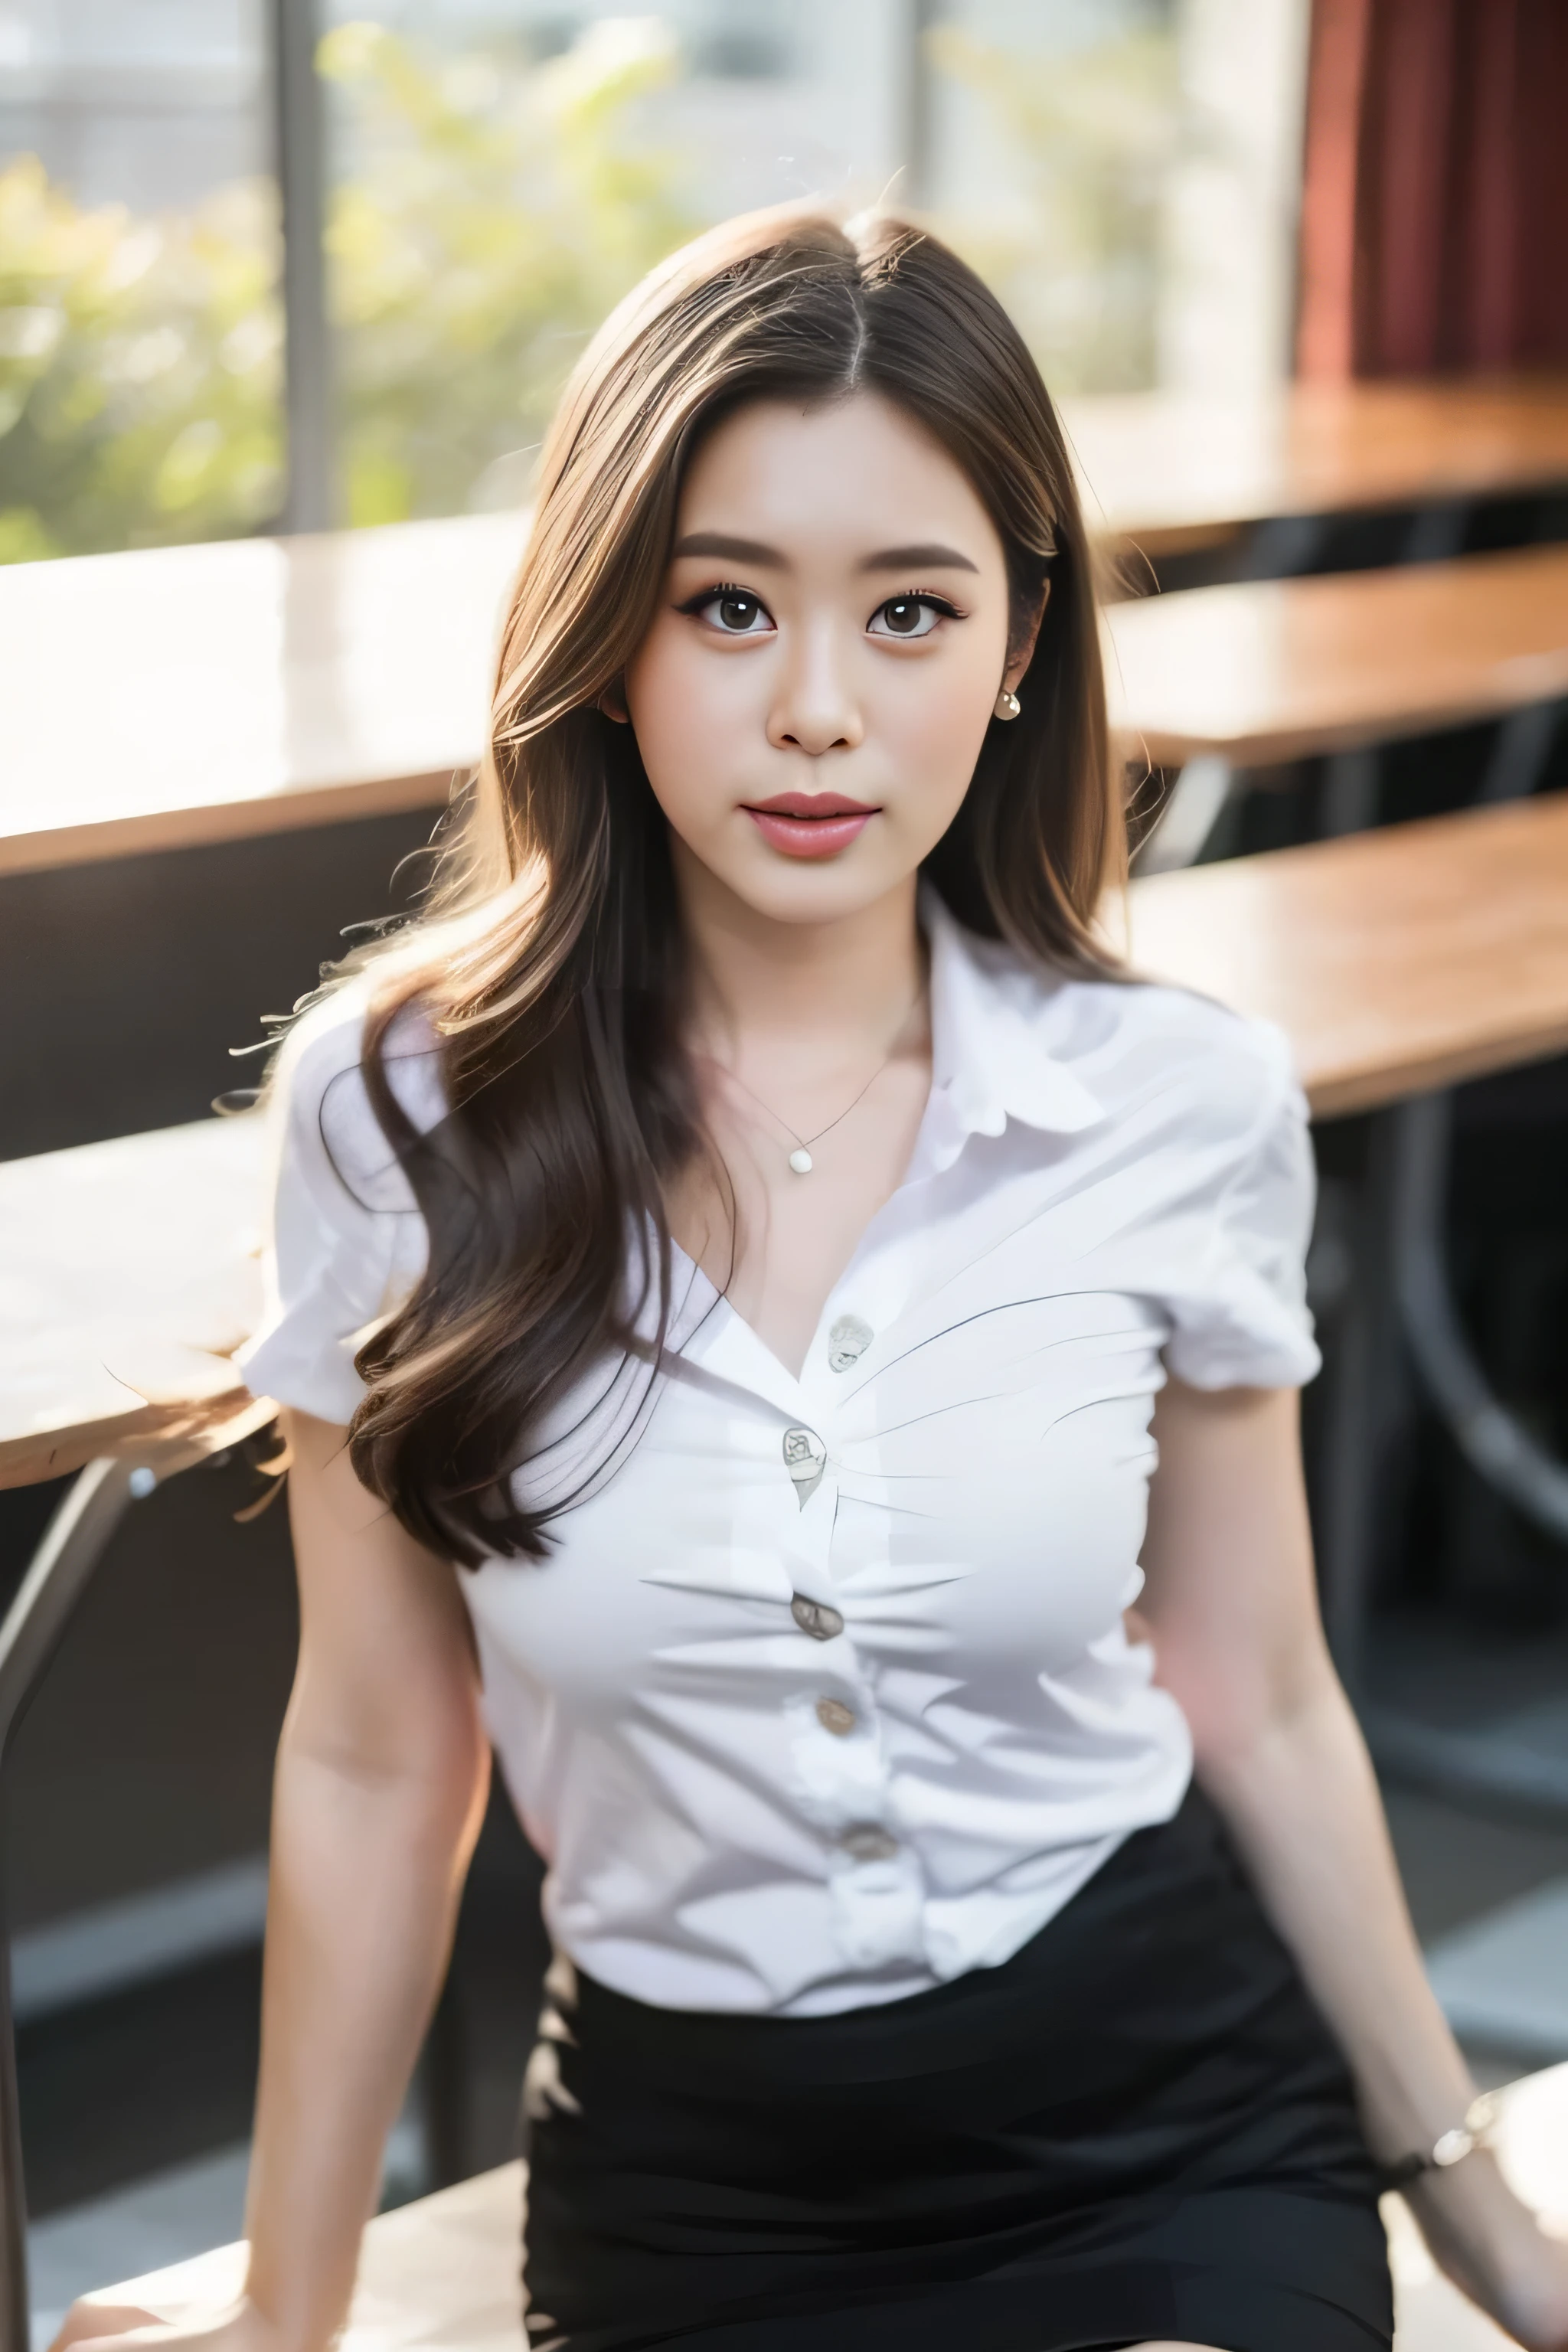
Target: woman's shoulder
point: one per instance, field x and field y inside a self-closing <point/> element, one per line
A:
<point x="319" y="1095"/>
<point x="347" y="1237"/>
<point x="1143" y="1048"/>
<point x="1201" y="1129"/>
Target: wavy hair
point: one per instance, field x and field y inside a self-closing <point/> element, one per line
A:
<point x="550" y="961"/>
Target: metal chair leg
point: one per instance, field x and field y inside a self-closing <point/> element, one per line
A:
<point x="1510" y="1766"/>
<point x="1493" y="1441"/>
<point x="1348" y="803"/>
<point x="1365" y="1402"/>
<point x="1521" y="752"/>
<point x="1191" y="812"/>
<point x="57" y="1576"/>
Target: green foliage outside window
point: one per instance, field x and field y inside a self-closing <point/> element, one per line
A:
<point x="487" y="211"/>
<point x="487" y="218"/>
<point x="140" y="367"/>
<point x="489" y="215"/>
<point x="1076" y="253"/>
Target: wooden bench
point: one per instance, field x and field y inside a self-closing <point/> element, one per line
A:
<point x="442" y="2275"/>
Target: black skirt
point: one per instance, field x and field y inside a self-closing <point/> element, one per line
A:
<point x="1136" y="2127"/>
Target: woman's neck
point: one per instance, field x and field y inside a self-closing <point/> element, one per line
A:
<point x="834" y="990"/>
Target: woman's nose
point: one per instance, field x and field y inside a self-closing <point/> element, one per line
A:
<point x="814" y="709"/>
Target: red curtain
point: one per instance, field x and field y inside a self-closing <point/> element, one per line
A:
<point x="1434" y="205"/>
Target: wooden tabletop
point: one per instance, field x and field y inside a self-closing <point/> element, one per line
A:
<point x="1395" y="960"/>
<point x="1276" y="669"/>
<point x="441" y="2276"/>
<point x="1170" y="471"/>
<point x="195" y="694"/>
<point x="129" y="1273"/>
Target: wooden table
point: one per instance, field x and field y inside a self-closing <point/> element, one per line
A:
<point x="1170" y="471"/>
<point x="1274" y="670"/>
<point x="1396" y="962"/>
<point x="202" y="693"/>
<point x="129" y="1273"/>
<point x="195" y="694"/>
<point x="442" y="2274"/>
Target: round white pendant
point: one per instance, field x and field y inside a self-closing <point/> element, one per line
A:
<point x="801" y="1162"/>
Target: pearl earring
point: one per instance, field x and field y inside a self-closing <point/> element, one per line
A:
<point x="1008" y="705"/>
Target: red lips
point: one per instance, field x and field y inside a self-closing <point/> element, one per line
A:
<point x="810" y="824"/>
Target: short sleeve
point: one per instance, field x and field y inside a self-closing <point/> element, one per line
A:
<point x="1240" y="1309"/>
<point x="347" y="1242"/>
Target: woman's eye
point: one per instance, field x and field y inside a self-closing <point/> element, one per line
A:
<point x="738" y="614"/>
<point x="908" y="616"/>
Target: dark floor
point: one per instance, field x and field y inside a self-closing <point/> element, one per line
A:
<point x="1459" y="1865"/>
<point x="133" y="2084"/>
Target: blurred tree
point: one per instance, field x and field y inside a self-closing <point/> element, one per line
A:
<point x="1072" y="234"/>
<point x="140" y="367"/>
<point x="486" y="210"/>
<point x="490" y="213"/>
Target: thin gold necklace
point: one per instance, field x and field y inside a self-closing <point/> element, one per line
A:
<point x="800" y="1159"/>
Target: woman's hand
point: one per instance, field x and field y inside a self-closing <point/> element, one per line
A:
<point x="1492" y="2248"/>
<point x="118" y="2327"/>
<point x="92" y="2322"/>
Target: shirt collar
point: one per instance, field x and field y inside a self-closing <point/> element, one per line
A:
<point x="990" y="1062"/>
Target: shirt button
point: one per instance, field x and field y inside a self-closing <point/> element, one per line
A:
<point x="865" y="1842"/>
<point x="805" y="1458"/>
<point x="847" y="1342"/>
<point x="835" y="1717"/>
<point x="815" y="1618"/>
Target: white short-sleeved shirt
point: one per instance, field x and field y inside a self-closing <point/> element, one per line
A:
<point x="825" y="1696"/>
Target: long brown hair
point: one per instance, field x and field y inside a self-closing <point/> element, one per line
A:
<point x="549" y="963"/>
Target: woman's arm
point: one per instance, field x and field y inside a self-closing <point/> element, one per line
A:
<point x="1231" y="1603"/>
<point x="381" y="1780"/>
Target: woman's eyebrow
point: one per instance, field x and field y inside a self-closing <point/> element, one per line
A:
<point x="755" y="551"/>
<point x="733" y="551"/>
<point x="913" y="559"/>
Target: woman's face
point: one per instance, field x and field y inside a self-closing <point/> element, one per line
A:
<point x="811" y="698"/>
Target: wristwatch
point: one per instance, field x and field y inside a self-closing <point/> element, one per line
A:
<point x="1451" y="2147"/>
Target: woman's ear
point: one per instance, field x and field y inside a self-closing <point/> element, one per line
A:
<point x="612" y="702"/>
<point x="1023" y="652"/>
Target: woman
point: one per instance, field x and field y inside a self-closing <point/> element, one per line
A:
<point x="757" y="1233"/>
